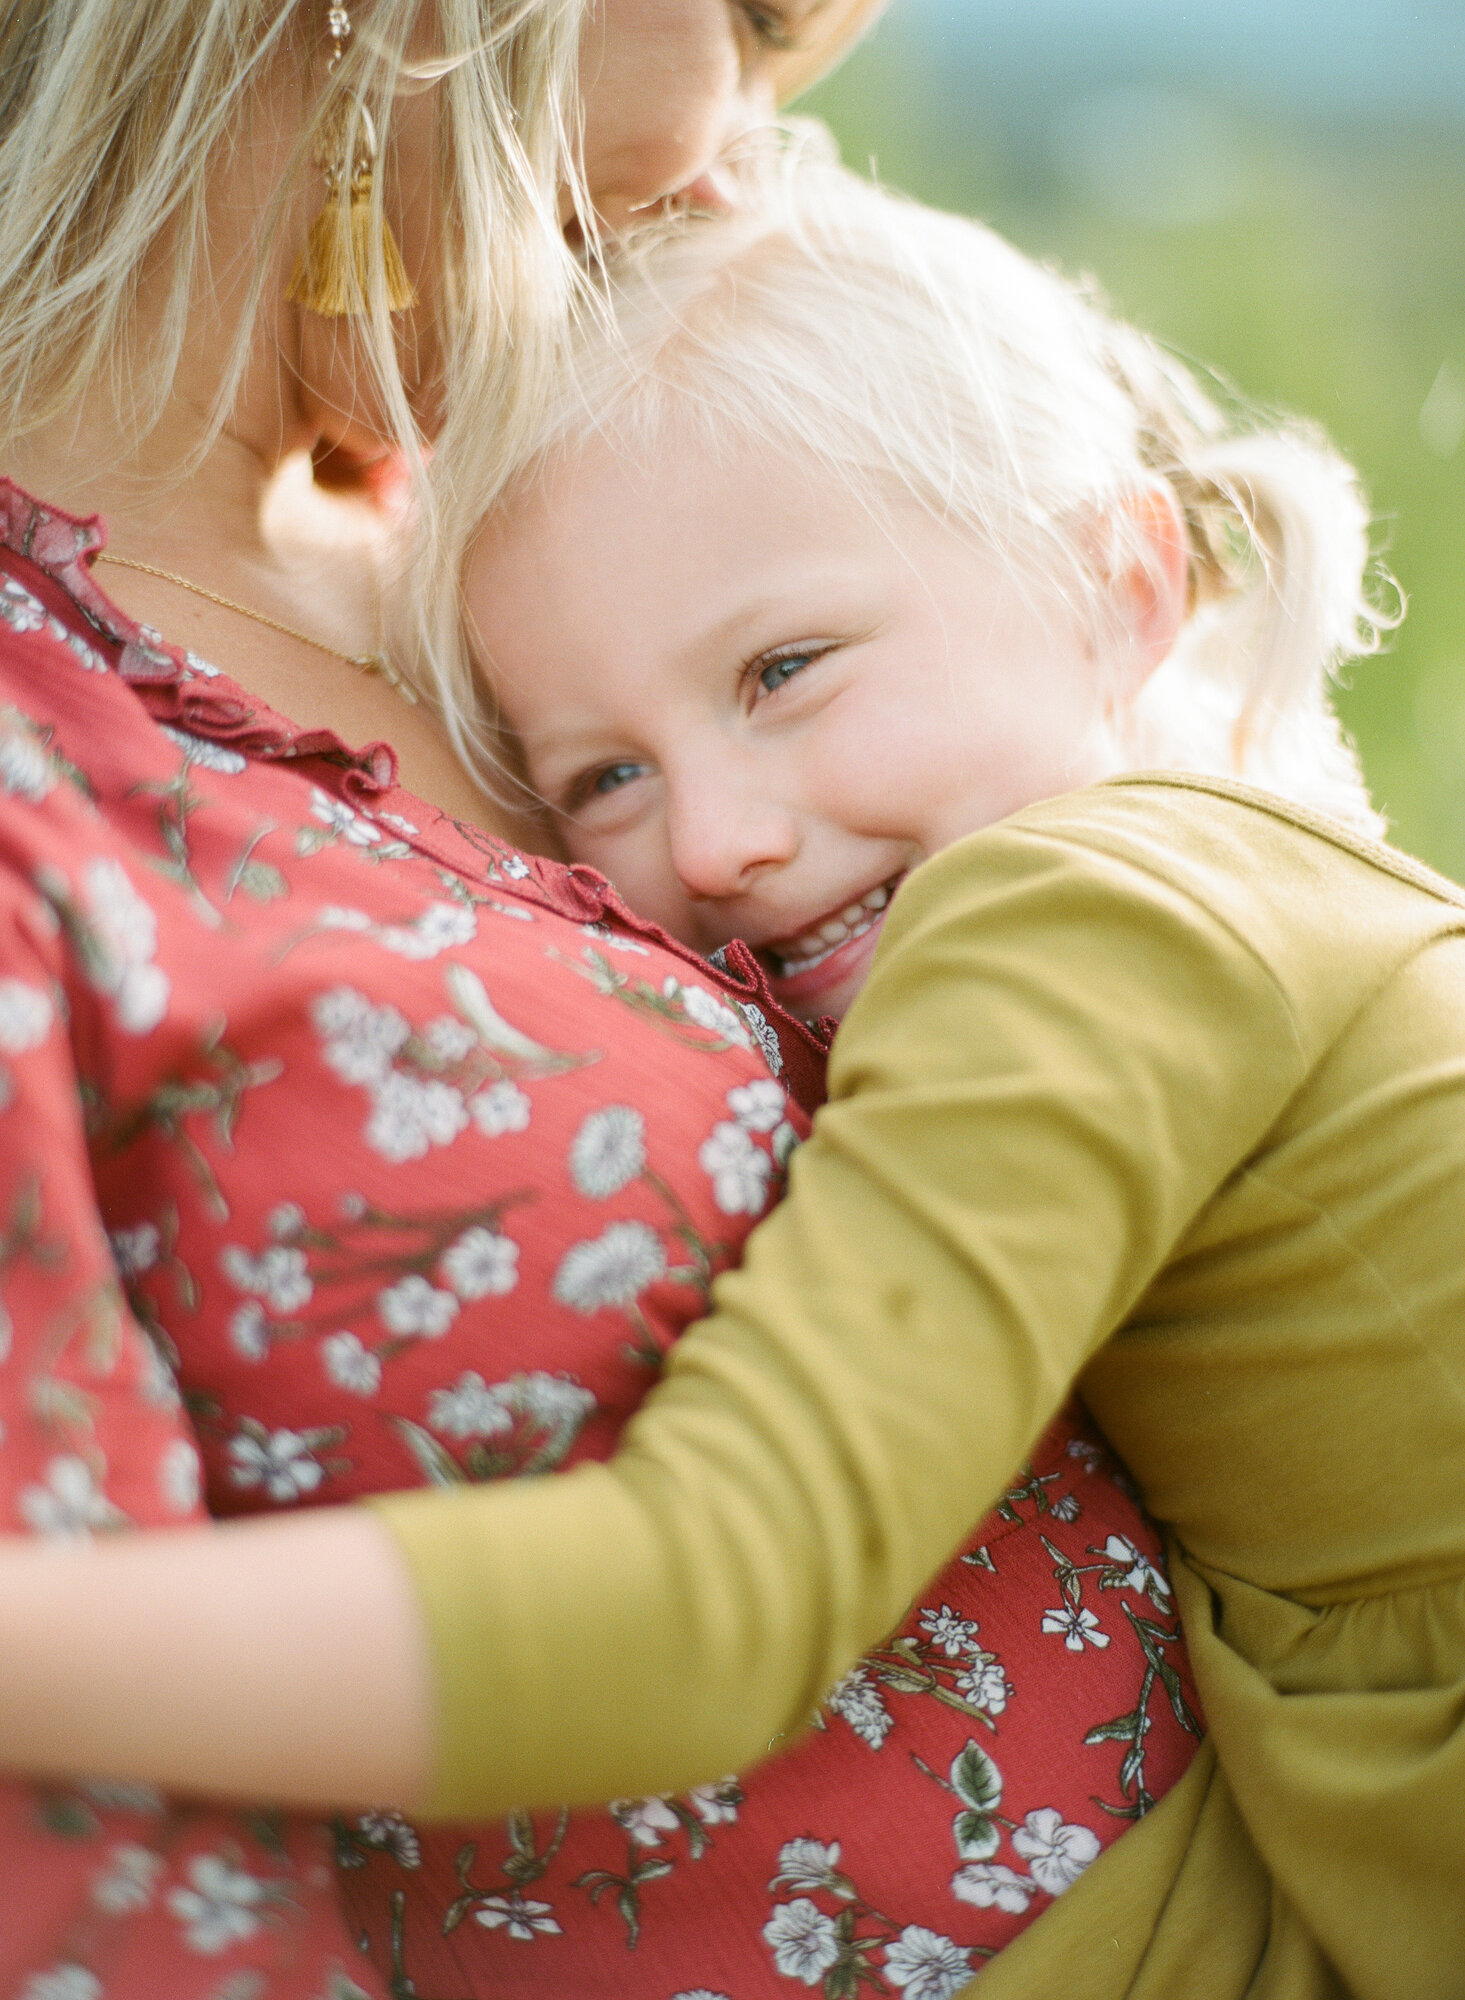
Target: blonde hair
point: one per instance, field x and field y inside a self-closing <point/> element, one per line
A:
<point x="115" y="118"/>
<point x="916" y="353"/>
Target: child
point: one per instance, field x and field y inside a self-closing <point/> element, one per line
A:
<point x="878" y="549"/>
<point x="868" y="552"/>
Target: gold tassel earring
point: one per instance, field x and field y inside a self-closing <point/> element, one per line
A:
<point x="332" y="275"/>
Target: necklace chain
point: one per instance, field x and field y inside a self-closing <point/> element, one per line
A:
<point x="376" y="664"/>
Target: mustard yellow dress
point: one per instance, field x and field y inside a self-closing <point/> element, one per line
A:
<point x="1160" y="1088"/>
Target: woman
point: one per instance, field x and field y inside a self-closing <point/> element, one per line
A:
<point x="277" y="980"/>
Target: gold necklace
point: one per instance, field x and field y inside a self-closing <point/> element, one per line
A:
<point x="366" y="663"/>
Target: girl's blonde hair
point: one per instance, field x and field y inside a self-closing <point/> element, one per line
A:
<point x="916" y="353"/>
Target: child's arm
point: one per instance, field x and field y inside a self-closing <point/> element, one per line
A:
<point x="1009" y="1155"/>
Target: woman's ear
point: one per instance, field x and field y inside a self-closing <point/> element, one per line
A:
<point x="1149" y="582"/>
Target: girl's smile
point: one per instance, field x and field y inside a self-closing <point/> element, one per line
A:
<point x="757" y="704"/>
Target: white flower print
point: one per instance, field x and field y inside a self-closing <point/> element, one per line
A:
<point x="554" y="1402"/>
<point x="502" y="1108"/>
<point x="608" y="1152"/>
<point x="360" y="1040"/>
<point x="438" y="928"/>
<point x="134" y="1250"/>
<point x="739" y="1170"/>
<point x="716" y="1805"/>
<point x="70" y="1504"/>
<point x="350" y="1365"/>
<point x="1056" y="1854"/>
<point x="26" y="1016"/>
<point x="984" y="1684"/>
<point x="280" y="1275"/>
<point x="952" y="1633"/>
<point x="706" y="1010"/>
<point x="990" y="1886"/>
<point x="156" y="1382"/>
<point x="281" y="1462"/>
<point x="1140" y="1573"/>
<point x="927" y="1965"/>
<point x="785" y="1144"/>
<point x="470" y="1409"/>
<point x="1077" y="1626"/>
<point x="396" y="820"/>
<point x="862" y="1706"/>
<point x="807" y="1864"/>
<point x="212" y="756"/>
<point x="763" y="1035"/>
<point x="21" y="611"/>
<point x="26" y="772"/>
<point x="409" y="1115"/>
<point x="1087" y="1454"/>
<point x="758" y="1106"/>
<point x="87" y="657"/>
<point x="449" y="1038"/>
<point x="180" y="1476"/>
<point x="699" y="1993"/>
<point x="118" y="945"/>
<point x="645" y="1820"/>
<point x="340" y="818"/>
<point x="249" y="1331"/>
<point x="613" y="941"/>
<point x="62" y="1982"/>
<point x="803" y="1940"/>
<point x="481" y="1264"/>
<point x="197" y="664"/>
<point x="393" y="1835"/>
<point x="341" y="917"/>
<point x="613" y="1270"/>
<point x="517" y="1915"/>
<point x="413" y="1305"/>
<point x="515" y="867"/>
<point x="221" y="1909"/>
<point x="129" y="1879"/>
<point x="1065" y="1508"/>
<point x="286" y="1221"/>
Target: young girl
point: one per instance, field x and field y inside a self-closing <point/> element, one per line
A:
<point x="879" y="563"/>
<point x="869" y="552"/>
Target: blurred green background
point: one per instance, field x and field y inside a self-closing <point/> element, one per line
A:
<point x="1276" y="187"/>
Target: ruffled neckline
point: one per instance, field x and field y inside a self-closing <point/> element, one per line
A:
<point x="179" y="686"/>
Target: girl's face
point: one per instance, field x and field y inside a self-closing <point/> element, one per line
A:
<point x="756" y="708"/>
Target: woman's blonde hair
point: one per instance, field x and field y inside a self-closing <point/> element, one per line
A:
<point x="115" y="119"/>
<point x="916" y="353"/>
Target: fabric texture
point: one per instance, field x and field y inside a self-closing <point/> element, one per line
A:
<point x="347" y="1149"/>
<point x="1158" y="1089"/>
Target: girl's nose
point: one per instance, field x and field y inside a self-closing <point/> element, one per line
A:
<point x="722" y="844"/>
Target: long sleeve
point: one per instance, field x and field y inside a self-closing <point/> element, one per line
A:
<point x="1057" y="1060"/>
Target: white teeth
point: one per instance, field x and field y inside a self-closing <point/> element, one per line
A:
<point x="802" y="954"/>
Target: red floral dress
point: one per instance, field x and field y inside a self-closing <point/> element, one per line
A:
<point x="346" y="1149"/>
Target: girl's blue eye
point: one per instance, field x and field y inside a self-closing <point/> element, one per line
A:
<point x="613" y="777"/>
<point x="776" y="674"/>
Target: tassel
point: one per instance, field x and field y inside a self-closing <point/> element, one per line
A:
<point x="333" y="273"/>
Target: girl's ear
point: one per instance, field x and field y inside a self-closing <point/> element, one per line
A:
<point x="1149" y="582"/>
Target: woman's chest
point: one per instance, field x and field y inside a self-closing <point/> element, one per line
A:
<point x="412" y="1163"/>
